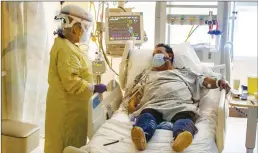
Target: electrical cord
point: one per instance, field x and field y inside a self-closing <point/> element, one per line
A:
<point x="95" y="14"/>
<point x="191" y="32"/>
<point x="240" y="111"/>
<point x="100" y="42"/>
<point x="104" y="54"/>
<point x="122" y="8"/>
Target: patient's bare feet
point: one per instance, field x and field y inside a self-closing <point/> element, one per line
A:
<point x="138" y="137"/>
<point x="182" y="141"/>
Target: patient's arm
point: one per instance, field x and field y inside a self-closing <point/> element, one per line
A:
<point x="133" y="102"/>
<point x="212" y="83"/>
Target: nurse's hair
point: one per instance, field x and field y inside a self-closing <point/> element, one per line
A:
<point x="169" y="50"/>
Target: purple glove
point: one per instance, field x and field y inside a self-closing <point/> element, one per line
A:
<point x="100" y="88"/>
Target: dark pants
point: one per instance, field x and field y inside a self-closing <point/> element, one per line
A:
<point x="150" y="118"/>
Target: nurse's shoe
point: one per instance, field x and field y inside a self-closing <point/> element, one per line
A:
<point x="182" y="141"/>
<point x="138" y="138"/>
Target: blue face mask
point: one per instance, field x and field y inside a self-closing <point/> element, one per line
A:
<point x="158" y="60"/>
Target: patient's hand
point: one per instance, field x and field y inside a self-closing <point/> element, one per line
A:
<point x="224" y="85"/>
<point x="132" y="104"/>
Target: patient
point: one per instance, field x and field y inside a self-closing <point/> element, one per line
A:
<point x="164" y="93"/>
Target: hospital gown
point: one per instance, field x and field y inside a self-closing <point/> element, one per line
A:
<point x="168" y="92"/>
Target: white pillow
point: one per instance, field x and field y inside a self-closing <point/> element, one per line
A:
<point x="184" y="56"/>
<point x="139" y="59"/>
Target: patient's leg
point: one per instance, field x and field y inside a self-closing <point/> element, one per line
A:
<point x="145" y="127"/>
<point x="184" y="130"/>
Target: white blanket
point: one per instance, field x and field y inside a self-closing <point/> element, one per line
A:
<point x="119" y="128"/>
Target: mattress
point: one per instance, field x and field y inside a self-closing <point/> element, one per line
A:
<point x="119" y="127"/>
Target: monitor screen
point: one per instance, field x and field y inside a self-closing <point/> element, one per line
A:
<point x="124" y="27"/>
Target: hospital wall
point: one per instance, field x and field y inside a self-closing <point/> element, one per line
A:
<point x="243" y="67"/>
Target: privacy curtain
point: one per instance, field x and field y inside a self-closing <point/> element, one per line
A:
<point x="25" y="54"/>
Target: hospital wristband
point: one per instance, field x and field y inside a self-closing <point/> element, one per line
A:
<point x="217" y="83"/>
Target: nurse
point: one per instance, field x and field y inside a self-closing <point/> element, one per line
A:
<point x="70" y="83"/>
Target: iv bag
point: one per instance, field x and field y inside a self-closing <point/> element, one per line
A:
<point x="214" y="43"/>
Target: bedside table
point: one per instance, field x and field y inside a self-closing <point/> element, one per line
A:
<point x="251" y="120"/>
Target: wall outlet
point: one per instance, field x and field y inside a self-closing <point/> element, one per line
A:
<point x="209" y="55"/>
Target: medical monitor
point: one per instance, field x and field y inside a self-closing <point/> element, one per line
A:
<point x="123" y="26"/>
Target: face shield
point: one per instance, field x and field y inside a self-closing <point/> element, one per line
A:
<point x="76" y="15"/>
<point x="86" y="33"/>
<point x="84" y="25"/>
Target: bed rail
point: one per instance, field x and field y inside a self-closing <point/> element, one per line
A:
<point x="222" y="120"/>
<point x="97" y="110"/>
<point x="101" y="106"/>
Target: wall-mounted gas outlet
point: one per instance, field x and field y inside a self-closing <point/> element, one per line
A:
<point x="209" y="55"/>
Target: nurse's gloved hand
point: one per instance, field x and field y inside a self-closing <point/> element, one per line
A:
<point x="100" y="88"/>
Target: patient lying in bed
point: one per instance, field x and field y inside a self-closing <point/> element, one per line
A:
<point x="167" y="94"/>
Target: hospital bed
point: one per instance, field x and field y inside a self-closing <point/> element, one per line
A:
<point x="211" y="124"/>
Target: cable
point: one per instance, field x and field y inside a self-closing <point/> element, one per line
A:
<point x="94" y="8"/>
<point x="194" y="30"/>
<point x="101" y="47"/>
<point x="240" y="111"/>
<point x="191" y="33"/>
<point x="122" y="8"/>
<point x="98" y="11"/>
<point x="94" y="11"/>
<point x="100" y="42"/>
<point x="104" y="54"/>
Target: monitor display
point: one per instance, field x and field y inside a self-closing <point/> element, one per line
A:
<point x="124" y="27"/>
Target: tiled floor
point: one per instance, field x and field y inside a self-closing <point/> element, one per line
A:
<point x="235" y="141"/>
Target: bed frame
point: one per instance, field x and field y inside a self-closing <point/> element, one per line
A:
<point x="100" y="105"/>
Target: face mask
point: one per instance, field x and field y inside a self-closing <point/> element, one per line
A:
<point x="84" y="37"/>
<point x="158" y="60"/>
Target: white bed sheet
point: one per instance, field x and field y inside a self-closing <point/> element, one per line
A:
<point x="119" y="127"/>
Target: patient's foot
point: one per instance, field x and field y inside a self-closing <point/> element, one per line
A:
<point x="182" y="141"/>
<point x="138" y="137"/>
